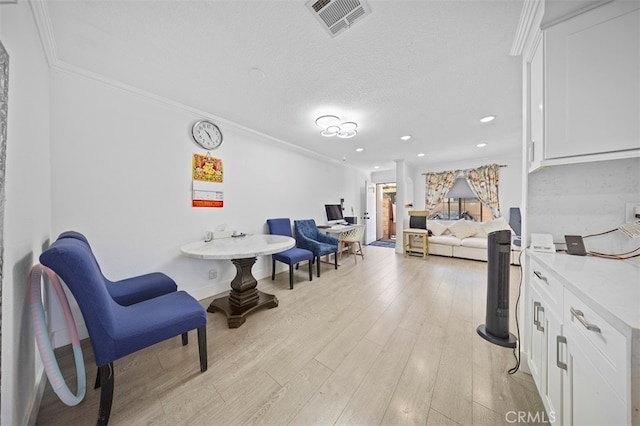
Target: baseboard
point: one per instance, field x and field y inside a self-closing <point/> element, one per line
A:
<point x="524" y="365"/>
<point x="36" y="400"/>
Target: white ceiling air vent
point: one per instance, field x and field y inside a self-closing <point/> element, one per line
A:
<point x="336" y="16"/>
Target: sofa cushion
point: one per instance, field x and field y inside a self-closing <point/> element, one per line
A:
<point x="475" y="242"/>
<point x="462" y="229"/>
<point x="448" y="240"/>
<point x="498" y="224"/>
<point x="437" y="228"/>
<point x="480" y="232"/>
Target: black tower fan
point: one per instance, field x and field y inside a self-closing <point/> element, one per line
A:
<point x="496" y="327"/>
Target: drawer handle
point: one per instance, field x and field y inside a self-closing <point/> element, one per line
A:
<point x="580" y="317"/>
<point x="539" y="324"/>
<point x="540" y="276"/>
<point x="560" y="364"/>
<point x="536" y="322"/>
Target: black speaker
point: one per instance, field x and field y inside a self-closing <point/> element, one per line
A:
<point x="496" y="327"/>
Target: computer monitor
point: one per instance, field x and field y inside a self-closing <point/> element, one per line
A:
<point x="334" y="213"/>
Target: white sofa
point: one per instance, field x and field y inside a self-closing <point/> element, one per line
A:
<point x="466" y="239"/>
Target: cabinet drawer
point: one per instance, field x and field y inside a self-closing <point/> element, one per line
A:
<point x="604" y="345"/>
<point x="550" y="289"/>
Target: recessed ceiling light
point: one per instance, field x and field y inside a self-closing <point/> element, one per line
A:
<point x="406" y="137"/>
<point x="421" y="154"/>
<point x="376" y="167"/>
<point x="481" y="145"/>
<point x="487" y="119"/>
<point x="359" y="149"/>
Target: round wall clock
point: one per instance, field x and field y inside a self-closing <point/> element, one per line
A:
<point x="206" y="134"/>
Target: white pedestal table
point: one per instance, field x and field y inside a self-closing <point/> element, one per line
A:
<point x="244" y="297"/>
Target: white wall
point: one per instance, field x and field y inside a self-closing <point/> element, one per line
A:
<point x="509" y="185"/>
<point x="583" y="199"/>
<point x="27" y="218"/>
<point x="121" y="175"/>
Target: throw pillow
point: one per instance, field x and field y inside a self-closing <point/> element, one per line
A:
<point x="498" y="224"/>
<point x="478" y="227"/>
<point x="437" y="228"/>
<point x="461" y="229"/>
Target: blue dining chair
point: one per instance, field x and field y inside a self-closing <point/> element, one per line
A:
<point x="131" y="290"/>
<point x="116" y="331"/>
<point x="292" y="256"/>
<point x="309" y="237"/>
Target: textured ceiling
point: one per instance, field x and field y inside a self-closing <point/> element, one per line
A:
<point x="428" y="68"/>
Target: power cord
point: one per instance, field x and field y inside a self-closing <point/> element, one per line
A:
<point x="516" y="351"/>
<point x="619" y="256"/>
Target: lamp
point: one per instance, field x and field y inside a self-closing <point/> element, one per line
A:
<point x="333" y="126"/>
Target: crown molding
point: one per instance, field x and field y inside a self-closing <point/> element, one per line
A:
<point x="45" y="32"/>
<point x="531" y="15"/>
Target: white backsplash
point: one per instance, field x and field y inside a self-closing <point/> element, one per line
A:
<point x="583" y="199"/>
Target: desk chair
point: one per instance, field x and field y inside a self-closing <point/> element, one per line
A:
<point x="115" y="330"/>
<point x="292" y="256"/>
<point x="309" y="237"/>
<point x="417" y="231"/>
<point x="352" y="239"/>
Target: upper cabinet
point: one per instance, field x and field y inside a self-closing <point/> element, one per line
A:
<point x="582" y="85"/>
<point x="592" y="83"/>
<point x="535" y="107"/>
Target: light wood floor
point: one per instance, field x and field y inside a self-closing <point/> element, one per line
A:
<point x="391" y="340"/>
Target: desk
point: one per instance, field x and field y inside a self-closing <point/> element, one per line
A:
<point x="243" y="297"/>
<point x="334" y="232"/>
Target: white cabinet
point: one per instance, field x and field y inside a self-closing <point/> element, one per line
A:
<point x="582" y="365"/>
<point x="596" y="376"/>
<point x="592" y="85"/>
<point x="535" y="151"/>
<point x="545" y="305"/>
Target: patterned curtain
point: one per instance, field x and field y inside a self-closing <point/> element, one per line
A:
<point x="484" y="182"/>
<point x="437" y="186"/>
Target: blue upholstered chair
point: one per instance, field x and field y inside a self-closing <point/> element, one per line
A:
<point x="292" y="256"/>
<point x="135" y="289"/>
<point x="115" y="330"/>
<point x="130" y="290"/>
<point x="309" y="237"/>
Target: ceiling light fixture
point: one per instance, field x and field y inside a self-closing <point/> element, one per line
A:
<point x="421" y="154"/>
<point x="333" y="126"/>
<point x="481" y="145"/>
<point x="406" y="138"/>
<point x="359" y="149"/>
<point x="487" y="119"/>
<point x="376" y="167"/>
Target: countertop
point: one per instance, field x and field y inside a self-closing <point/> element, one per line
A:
<point x="610" y="287"/>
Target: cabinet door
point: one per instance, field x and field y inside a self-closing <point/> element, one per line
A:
<point x="535" y="107"/>
<point x="588" y="398"/>
<point x="537" y="340"/>
<point x="592" y="89"/>
<point x="553" y="389"/>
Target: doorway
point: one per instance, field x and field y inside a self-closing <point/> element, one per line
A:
<point x="386" y="212"/>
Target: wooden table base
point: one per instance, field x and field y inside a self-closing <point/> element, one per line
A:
<point x="244" y="297"/>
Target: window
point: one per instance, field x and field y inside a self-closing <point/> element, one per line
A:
<point x="462" y="203"/>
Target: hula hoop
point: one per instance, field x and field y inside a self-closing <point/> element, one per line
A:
<point x="44" y="343"/>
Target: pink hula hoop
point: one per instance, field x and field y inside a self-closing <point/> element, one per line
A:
<point x="51" y="366"/>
